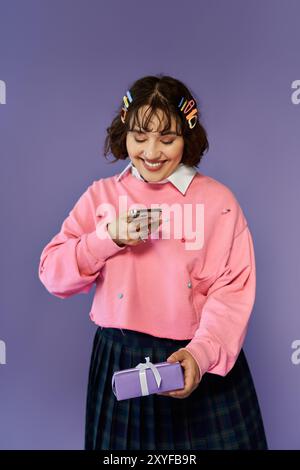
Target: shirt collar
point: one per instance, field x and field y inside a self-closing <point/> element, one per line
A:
<point x="181" y="177"/>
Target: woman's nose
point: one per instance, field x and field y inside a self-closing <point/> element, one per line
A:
<point x="152" y="152"/>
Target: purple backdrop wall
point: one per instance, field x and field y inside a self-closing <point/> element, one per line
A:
<point x="64" y="67"/>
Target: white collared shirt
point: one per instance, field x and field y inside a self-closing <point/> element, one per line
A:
<point x="181" y="177"/>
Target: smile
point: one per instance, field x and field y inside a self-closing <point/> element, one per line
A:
<point x="156" y="165"/>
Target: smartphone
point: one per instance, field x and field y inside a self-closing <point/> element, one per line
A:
<point x="134" y="213"/>
<point x="146" y="217"/>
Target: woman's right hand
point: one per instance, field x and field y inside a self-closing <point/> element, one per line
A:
<point x="126" y="230"/>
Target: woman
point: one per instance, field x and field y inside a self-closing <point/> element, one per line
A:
<point x="180" y="289"/>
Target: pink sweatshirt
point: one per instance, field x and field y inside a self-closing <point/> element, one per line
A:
<point x="193" y="279"/>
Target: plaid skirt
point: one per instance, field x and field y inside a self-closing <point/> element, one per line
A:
<point x="221" y="413"/>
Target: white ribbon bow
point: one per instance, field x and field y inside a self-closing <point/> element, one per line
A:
<point x="142" y="366"/>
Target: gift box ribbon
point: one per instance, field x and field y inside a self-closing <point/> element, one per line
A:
<point x="143" y="366"/>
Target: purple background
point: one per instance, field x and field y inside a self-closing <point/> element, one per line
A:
<point x="67" y="65"/>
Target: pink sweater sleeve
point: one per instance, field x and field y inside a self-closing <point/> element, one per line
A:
<point x="73" y="259"/>
<point x="225" y="314"/>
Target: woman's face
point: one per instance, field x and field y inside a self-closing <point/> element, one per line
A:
<point x="145" y="148"/>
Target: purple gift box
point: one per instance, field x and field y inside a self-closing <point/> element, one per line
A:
<point x="147" y="378"/>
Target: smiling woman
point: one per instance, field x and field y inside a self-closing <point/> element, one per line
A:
<point x="162" y="298"/>
<point x="155" y="124"/>
<point x="157" y="153"/>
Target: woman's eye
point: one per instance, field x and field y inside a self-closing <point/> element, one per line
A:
<point x="166" y="143"/>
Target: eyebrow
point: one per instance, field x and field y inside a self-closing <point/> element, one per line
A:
<point x="142" y="131"/>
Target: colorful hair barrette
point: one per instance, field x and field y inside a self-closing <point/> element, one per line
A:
<point x="126" y="105"/>
<point x="184" y="106"/>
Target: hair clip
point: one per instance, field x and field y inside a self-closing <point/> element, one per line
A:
<point x="186" y="107"/>
<point x="126" y="105"/>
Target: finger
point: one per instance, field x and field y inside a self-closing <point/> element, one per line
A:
<point x="134" y="225"/>
<point x="127" y="216"/>
<point x="140" y="214"/>
<point x="153" y="225"/>
<point x="177" y="394"/>
<point x="167" y="394"/>
<point x="143" y="223"/>
<point x="180" y="393"/>
<point x="156" y="217"/>
<point x="143" y="230"/>
<point x="188" y="381"/>
<point x="133" y="234"/>
<point x="188" y="376"/>
<point x="141" y="226"/>
<point x="138" y="224"/>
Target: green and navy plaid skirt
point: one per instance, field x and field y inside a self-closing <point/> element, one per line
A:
<point x="221" y="413"/>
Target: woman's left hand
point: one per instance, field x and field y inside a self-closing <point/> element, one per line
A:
<point x="191" y="374"/>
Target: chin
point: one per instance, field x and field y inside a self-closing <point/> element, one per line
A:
<point x="154" y="178"/>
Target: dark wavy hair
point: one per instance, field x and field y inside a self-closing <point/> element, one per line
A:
<point x="157" y="92"/>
